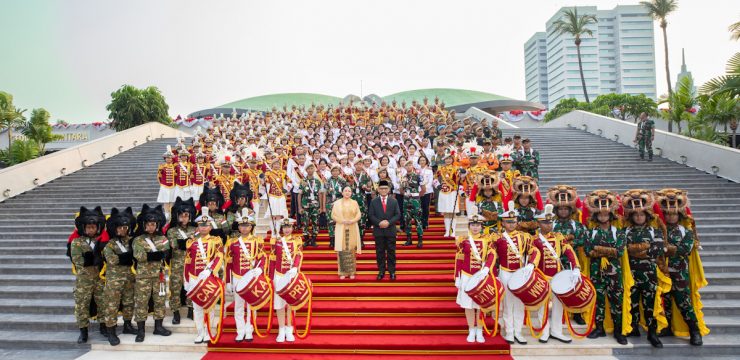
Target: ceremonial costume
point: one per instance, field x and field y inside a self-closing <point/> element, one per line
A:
<point x="166" y="177"/>
<point x="488" y="202"/>
<point x="178" y="235"/>
<point x="348" y="235"/>
<point x="183" y="170"/>
<point x="82" y="253"/>
<point x="119" y="273"/>
<point x="285" y="261"/>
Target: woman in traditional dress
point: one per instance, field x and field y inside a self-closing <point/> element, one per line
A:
<point x="346" y="213"/>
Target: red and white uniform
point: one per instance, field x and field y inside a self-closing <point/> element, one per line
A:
<point x="243" y="253"/>
<point x="287" y="253"/>
<point x="182" y="180"/>
<point x="166" y="177"/>
<point x="198" y="177"/>
<point x="473" y="254"/>
<point x="201" y="253"/>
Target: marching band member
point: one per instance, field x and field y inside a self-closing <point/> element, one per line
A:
<point x="166" y="177"/>
<point x="285" y="261"/>
<point x="448" y="177"/>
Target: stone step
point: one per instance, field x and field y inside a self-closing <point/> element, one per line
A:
<point x="56" y="340"/>
<point x="720" y="292"/>
<point x="721" y="307"/>
<point x="35" y="259"/>
<point x="36" y="292"/>
<point x="66" y="281"/>
<point x="31" y="250"/>
<point x="37" y="306"/>
<point x="717" y="278"/>
<point x="724" y="256"/>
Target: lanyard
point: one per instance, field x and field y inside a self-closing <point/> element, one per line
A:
<point x="511" y="245"/>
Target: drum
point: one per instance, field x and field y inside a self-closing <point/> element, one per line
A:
<point x="254" y="289"/>
<point x="206" y="292"/>
<point x="578" y="296"/>
<point x="531" y="288"/>
<point x="486" y="290"/>
<point x="294" y="290"/>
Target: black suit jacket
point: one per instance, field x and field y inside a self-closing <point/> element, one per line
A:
<point x="376" y="215"/>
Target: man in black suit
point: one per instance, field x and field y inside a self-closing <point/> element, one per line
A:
<point x="384" y="213"/>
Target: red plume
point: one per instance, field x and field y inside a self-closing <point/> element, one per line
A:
<point x="254" y="154"/>
<point x="472" y="149"/>
<point x="227" y="158"/>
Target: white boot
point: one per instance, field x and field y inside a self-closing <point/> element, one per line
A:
<point x="239" y="336"/>
<point x="201" y="337"/>
<point x="289" y="334"/>
<point x="281" y="335"/>
<point x="452" y="227"/>
<point x="248" y="334"/>
<point x="509" y="337"/>
<point x="479" y="335"/>
<point x="447" y="227"/>
<point x="471" y="335"/>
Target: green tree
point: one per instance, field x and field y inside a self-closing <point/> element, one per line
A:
<point x="638" y="104"/>
<point x="659" y="10"/>
<point x="11" y="117"/>
<point x="613" y="101"/>
<point x="577" y="26"/>
<point x="131" y="107"/>
<point x="38" y="129"/>
<point x="19" y="151"/>
<point x="728" y="83"/>
<point x="735" y="31"/>
<point x="680" y="102"/>
<point x="719" y="110"/>
<point x="567" y="105"/>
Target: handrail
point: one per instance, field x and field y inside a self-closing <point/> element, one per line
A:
<point x="25" y="176"/>
<point x="722" y="161"/>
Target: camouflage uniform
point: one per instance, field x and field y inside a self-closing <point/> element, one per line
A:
<point x="87" y="281"/>
<point x="178" y="237"/>
<point x="526" y="216"/>
<point x="412" y="204"/>
<point x="608" y="282"/>
<point x="575" y="233"/>
<point x="645" y="138"/>
<point x="528" y="163"/>
<point x="358" y="194"/>
<point x="678" y="269"/>
<point x="119" y="282"/>
<point x="148" y="269"/>
<point x="485" y="205"/>
<point x="644" y="267"/>
<point x="333" y="189"/>
<point x="310" y="189"/>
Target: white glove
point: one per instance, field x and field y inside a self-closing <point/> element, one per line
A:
<point x="529" y="267"/>
<point x="204" y="274"/>
<point x="257" y="271"/>
<point x="229" y="288"/>
<point x="576" y="276"/>
<point x="458" y="282"/>
<point x="485" y="270"/>
<point x="292" y="272"/>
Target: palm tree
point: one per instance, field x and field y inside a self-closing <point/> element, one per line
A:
<point x="576" y="26"/>
<point x="728" y="83"/>
<point x="735" y="31"/>
<point x="659" y="10"/>
<point x="11" y="117"/>
<point x="679" y="103"/>
<point x="38" y="129"/>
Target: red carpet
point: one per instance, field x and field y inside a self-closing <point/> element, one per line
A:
<point x="412" y="317"/>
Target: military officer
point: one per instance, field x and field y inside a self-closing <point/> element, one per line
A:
<point x="119" y="276"/>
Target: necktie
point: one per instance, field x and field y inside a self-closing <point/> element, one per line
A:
<point x="383" y="201"/>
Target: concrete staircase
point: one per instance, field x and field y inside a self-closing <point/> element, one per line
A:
<point x="36" y="300"/>
<point x="36" y="303"/>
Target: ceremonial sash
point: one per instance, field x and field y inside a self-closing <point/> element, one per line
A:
<point x="474" y="248"/>
<point x="511" y="244"/>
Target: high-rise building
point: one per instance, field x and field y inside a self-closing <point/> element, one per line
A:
<point x="618" y="58"/>
<point x="685" y="73"/>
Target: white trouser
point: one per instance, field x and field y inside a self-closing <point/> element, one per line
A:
<point x="513" y="314"/>
<point x="242" y="326"/>
<point x="198" y="317"/>
<point x="556" y="319"/>
<point x="472" y="209"/>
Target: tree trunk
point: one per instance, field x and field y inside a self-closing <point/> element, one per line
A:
<point x="580" y="69"/>
<point x="678" y="124"/>
<point x="667" y="68"/>
<point x="9" y="137"/>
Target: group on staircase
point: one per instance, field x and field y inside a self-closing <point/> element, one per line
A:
<point x="337" y="168"/>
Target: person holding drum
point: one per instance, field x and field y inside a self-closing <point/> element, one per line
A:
<point x="513" y="249"/>
<point x="245" y="259"/>
<point x="473" y="263"/>
<point x="554" y="247"/>
<point x="285" y="263"/>
<point x="345" y="214"/>
<point x="203" y="257"/>
<point x="448" y="178"/>
<point x="605" y="247"/>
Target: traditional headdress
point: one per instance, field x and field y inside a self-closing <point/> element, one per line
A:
<point x="120" y="218"/>
<point x="149" y="214"/>
<point x="86" y="217"/>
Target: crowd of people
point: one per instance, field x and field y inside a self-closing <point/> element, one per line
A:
<point x="353" y="167"/>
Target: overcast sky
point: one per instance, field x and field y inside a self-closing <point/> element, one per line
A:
<point x="68" y="56"/>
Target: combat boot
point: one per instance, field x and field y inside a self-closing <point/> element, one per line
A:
<point x="694" y="334"/>
<point x="621" y="339"/>
<point x="652" y="337"/>
<point x="140" y="331"/>
<point x="597" y="332"/>
<point x="331" y="242"/>
<point x="103" y="330"/>
<point x="419" y="241"/>
<point x="83" y="336"/>
<point x="128" y="328"/>
<point x="113" y="339"/>
<point x="159" y="329"/>
<point x="408" y="240"/>
<point x="175" y="317"/>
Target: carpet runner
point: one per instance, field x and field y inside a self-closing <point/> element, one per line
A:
<point x="414" y="316"/>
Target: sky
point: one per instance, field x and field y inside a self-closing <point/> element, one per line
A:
<point x="68" y="56"/>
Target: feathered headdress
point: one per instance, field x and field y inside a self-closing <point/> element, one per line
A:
<point x="503" y="153"/>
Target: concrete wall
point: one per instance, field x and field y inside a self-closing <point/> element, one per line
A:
<point x="715" y="159"/>
<point x="26" y="176"/>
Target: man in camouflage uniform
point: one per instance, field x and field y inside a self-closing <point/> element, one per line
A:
<point x="528" y="160"/>
<point x="150" y="251"/>
<point x="89" y="224"/>
<point x="644" y="136"/>
<point x="412" y="188"/>
<point x="361" y="182"/>
<point x="606" y="242"/>
<point x="181" y="229"/>
<point x="680" y="245"/>
<point x="645" y="246"/>
<point x="119" y="282"/>
<point x="308" y="197"/>
<point x="333" y="192"/>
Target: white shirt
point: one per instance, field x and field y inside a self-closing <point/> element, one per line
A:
<point x="427" y="178"/>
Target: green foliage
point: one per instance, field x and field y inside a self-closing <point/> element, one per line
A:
<point x="728" y="83"/>
<point x="660" y="9"/>
<point x="567" y="105"/>
<point x="680" y="101"/>
<point x="577" y="26"/>
<point x="131" y="107"/>
<point x="38" y="129"/>
<point x="11" y="117"/>
<point x="735" y="31"/>
<point x="628" y="105"/>
<point x="701" y="130"/>
<point x="19" y="151"/>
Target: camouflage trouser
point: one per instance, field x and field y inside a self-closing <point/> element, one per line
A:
<point x="332" y="224"/>
<point x="607" y="286"/>
<point x="646" y="283"/>
<point x="681" y="294"/>
<point x="412" y="211"/>
<point x="645" y="143"/>
<point x="145" y="288"/>
<point x="310" y="218"/>
<point x="118" y="290"/>
<point x="532" y="172"/>
<point x="177" y="268"/>
<point x="360" y="198"/>
<point x="87" y="285"/>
